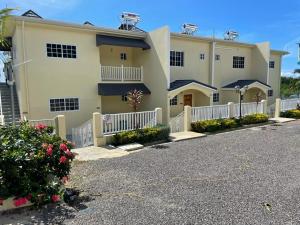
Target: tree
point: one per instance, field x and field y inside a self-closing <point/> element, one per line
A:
<point x="134" y="98"/>
<point x="258" y="97"/>
<point x="4" y="15"/>
<point x="297" y="71"/>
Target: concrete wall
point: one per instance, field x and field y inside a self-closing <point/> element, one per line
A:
<point x="275" y="77"/>
<point x="260" y="62"/>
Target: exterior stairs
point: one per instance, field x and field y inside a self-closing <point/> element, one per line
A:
<point x="7" y="103"/>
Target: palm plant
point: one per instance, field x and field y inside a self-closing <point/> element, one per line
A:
<point x="4" y="15"/>
<point x="134" y="98"/>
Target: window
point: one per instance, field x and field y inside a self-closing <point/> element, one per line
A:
<point x="202" y="56"/>
<point x="123" y="56"/>
<point x="64" y="104"/>
<point x="61" y="51"/>
<point x="270" y="93"/>
<point x="216" y="97"/>
<point x="272" y="64"/>
<point x="174" y="101"/>
<point x="217" y="57"/>
<point x="176" y="58"/>
<point x="124" y="98"/>
<point x="238" y="62"/>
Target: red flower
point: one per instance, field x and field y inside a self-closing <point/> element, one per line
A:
<point x="69" y="153"/>
<point x="63" y="147"/>
<point x="40" y="126"/>
<point x="28" y="197"/>
<point x="49" y="151"/>
<point x="55" y="198"/>
<point x="63" y="159"/>
<point x="20" y="201"/>
<point x="65" y="179"/>
<point x="44" y="145"/>
<point x="1" y="201"/>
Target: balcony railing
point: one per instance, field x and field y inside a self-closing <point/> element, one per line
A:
<point x="121" y="73"/>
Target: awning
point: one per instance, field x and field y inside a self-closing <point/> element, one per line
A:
<point x="109" y="89"/>
<point x="121" y="41"/>
<point x="249" y="83"/>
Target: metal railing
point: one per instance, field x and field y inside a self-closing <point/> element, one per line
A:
<point x="248" y="108"/>
<point x="177" y="123"/>
<point x="82" y="136"/>
<point x="47" y="122"/>
<point x="121" y="73"/>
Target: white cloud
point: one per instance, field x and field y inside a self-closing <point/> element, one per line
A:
<point x="292" y="48"/>
<point x="289" y="73"/>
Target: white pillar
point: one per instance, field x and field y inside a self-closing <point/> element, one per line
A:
<point x="265" y="106"/>
<point x="98" y="136"/>
<point x="60" y="126"/>
<point x="230" y="109"/>
<point x="158" y="112"/>
<point x="187" y="119"/>
<point x="277" y="107"/>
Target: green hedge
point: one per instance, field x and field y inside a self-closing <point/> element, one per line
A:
<point x="295" y="113"/>
<point x="142" y="136"/>
<point x="223" y="124"/>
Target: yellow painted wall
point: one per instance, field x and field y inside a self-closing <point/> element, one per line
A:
<point x="275" y="77"/>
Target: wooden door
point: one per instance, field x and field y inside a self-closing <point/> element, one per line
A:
<point x="188" y="100"/>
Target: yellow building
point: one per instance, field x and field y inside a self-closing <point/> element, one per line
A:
<point x="75" y="70"/>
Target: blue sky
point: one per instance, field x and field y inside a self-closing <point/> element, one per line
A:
<point x="256" y="20"/>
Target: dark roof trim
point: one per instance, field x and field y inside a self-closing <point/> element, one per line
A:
<point x="180" y="83"/>
<point x="31" y="13"/>
<point x="110" y="89"/>
<point x="88" y="23"/>
<point x="121" y="41"/>
<point x="243" y="83"/>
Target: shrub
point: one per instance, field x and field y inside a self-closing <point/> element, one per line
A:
<point x="295" y="113"/>
<point x="142" y="136"/>
<point x="229" y="123"/>
<point x="34" y="163"/>
<point x="255" y="118"/>
<point x="206" y="126"/>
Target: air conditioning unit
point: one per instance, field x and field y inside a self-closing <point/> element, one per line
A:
<point x="231" y="35"/>
<point x="189" y="28"/>
<point x="129" y="20"/>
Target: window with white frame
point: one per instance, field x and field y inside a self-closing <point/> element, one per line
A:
<point x="272" y="64"/>
<point x="174" y="101"/>
<point x="202" y="56"/>
<point x="176" y="58"/>
<point x="238" y="62"/>
<point x="123" y="56"/>
<point x="217" y="57"/>
<point x="216" y="97"/>
<point x="61" y="51"/>
<point x="124" y="98"/>
<point x="270" y="93"/>
<point x="64" y="104"/>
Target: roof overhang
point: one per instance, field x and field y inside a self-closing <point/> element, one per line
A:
<point x="119" y="89"/>
<point x="247" y="83"/>
<point x="121" y="41"/>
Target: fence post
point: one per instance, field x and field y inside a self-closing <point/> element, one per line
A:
<point x="158" y="112"/>
<point x="187" y="119"/>
<point x="277" y="107"/>
<point x="265" y="106"/>
<point x="98" y="136"/>
<point x="2" y="120"/>
<point x="230" y="109"/>
<point x="60" y="125"/>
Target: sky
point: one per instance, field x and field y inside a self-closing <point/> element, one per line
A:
<point x="255" y="20"/>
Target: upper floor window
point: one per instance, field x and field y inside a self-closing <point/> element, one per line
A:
<point x="217" y="57"/>
<point x="272" y="64"/>
<point x="270" y="93"/>
<point x="64" y="104"/>
<point x="238" y="62"/>
<point x="202" y="56"/>
<point x="174" y="101"/>
<point x="176" y="58"/>
<point x="216" y="97"/>
<point x="123" y="56"/>
<point x="61" y="51"/>
<point x="124" y="98"/>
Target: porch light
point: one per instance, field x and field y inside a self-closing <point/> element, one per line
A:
<point x="241" y="92"/>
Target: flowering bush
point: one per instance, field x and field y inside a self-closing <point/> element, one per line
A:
<point x="34" y="163"/>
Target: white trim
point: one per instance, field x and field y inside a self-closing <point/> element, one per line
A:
<point x="49" y="106"/>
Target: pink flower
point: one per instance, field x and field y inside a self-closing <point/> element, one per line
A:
<point x="28" y="197"/>
<point x="20" y="201"/>
<point x="65" y="179"/>
<point x="40" y="126"/>
<point x="63" y="147"/>
<point x="63" y="159"/>
<point x="44" y="145"/>
<point x="49" y="151"/>
<point x="55" y="198"/>
<point x="1" y="201"/>
<point x="69" y="153"/>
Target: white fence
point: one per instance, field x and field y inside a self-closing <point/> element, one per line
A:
<point x="1" y="111"/>
<point x="121" y="73"/>
<point x="177" y="123"/>
<point x="47" y="122"/>
<point x="82" y="136"/>
<point x="248" y="109"/>
<point x="210" y="112"/>
<point x="289" y="104"/>
<point x="114" y="123"/>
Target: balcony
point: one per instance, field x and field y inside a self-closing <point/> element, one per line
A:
<point x="121" y="74"/>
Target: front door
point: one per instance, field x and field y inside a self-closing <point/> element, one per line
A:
<point x="188" y="100"/>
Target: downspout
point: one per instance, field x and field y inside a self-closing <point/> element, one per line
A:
<point x="212" y="69"/>
<point x="25" y="66"/>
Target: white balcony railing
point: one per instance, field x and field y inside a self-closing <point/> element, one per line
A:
<point x="121" y="73"/>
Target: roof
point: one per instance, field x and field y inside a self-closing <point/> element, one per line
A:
<point x="121" y="41"/>
<point x="31" y="13"/>
<point x="88" y="23"/>
<point x="243" y="83"/>
<point x="110" y="89"/>
<point x="180" y="83"/>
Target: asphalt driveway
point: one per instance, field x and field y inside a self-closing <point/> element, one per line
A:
<point x="244" y="177"/>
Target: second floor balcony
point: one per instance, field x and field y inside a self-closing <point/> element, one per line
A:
<point x="121" y="74"/>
